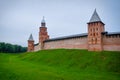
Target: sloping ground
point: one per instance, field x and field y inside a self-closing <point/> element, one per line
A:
<point x="60" y="64"/>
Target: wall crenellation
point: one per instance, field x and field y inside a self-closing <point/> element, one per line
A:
<point x="111" y="36"/>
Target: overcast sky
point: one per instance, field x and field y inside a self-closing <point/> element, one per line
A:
<point x="20" y="18"/>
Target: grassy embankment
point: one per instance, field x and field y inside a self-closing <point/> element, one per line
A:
<point x="60" y="64"/>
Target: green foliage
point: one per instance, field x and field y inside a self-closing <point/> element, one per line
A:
<point x="9" y="48"/>
<point x="60" y="64"/>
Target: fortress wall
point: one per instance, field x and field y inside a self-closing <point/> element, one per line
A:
<point x="111" y="43"/>
<point x="37" y="47"/>
<point x="73" y="43"/>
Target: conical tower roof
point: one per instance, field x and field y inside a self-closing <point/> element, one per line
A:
<point x="31" y="38"/>
<point x="95" y="17"/>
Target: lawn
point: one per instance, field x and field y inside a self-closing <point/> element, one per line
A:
<point x="60" y="64"/>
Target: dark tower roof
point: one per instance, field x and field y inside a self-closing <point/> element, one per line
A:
<point x="95" y="17"/>
<point x="31" y="38"/>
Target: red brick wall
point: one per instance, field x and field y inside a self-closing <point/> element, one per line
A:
<point x="43" y="35"/>
<point x="94" y="36"/>
<point x="30" y="46"/>
<point x="111" y="43"/>
<point x="95" y="47"/>
<point x="74" y="43"/>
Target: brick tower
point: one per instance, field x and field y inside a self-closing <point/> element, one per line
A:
<point x="95" y="29"/>
<point x="43" y="34"/>
<point x="30" y="44"/>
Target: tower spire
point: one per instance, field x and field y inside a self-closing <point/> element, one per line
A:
<point x="31" y="38"/>
<point x="43" y="20"/>
<point x="95" y="17"/>
<point x="43" y="24"/>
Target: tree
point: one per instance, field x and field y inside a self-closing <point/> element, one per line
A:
<point x="9" y="48"/>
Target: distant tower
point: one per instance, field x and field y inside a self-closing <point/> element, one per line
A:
<point x="30" y="44"/>
<point x="43" y="34"/>
<point x="95" y="28"/>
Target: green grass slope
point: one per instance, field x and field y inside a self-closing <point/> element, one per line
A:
<point x="60" y="64"/>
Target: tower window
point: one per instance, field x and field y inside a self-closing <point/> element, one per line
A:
<point x="90" y="30"/>
<point x="96" y="29"/>
<point x="93" y="34"/>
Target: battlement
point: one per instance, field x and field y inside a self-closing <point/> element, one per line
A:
<point x="111" y="35"/>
